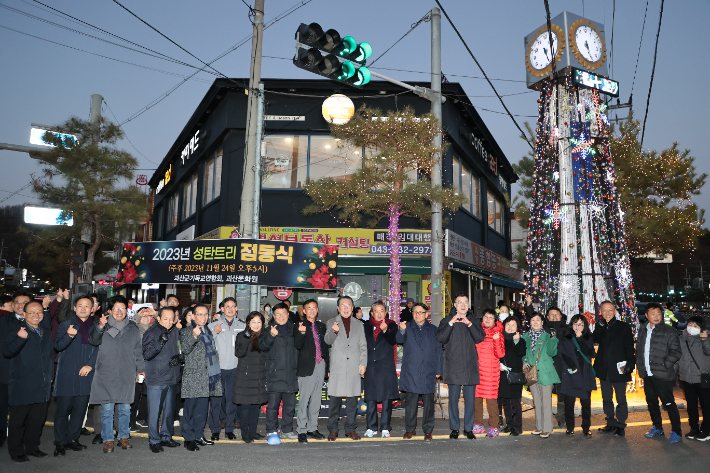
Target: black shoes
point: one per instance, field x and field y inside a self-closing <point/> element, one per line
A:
<point x="692" y="434"/>
<point x="230" y="435"/>
<point x="469" y="435"/>
<point x="20" y="459"/>
<point x="506" y="430"/>
<point x="258" y="436"/>
<point x="85" y="431"/>
<point x="75" y="446"/>
<point x="514" y="432"/>
<point x="59" y="451"/>
<point x="97" y="440"/>
<point x="302" y="438"/>
<point x="38" y="454"/>
<point x="569" y="432"/>
<point x="587" y="434"/>
<point x="316" y="435"/>
<point x="203" y="442"/>
<point x="454" y="434"/>
<point x="156" y="447"/>
<point x="170" y="443"/>
<point x="619" y="432"/>
<point x="247" y="439"/>
<point x="215" y="437"/>
<point x="607" y="430"/>
<point x="191" y="446"/>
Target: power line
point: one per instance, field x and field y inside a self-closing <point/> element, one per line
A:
<point x="17" y="191"/>
<point x="653" y="72"/>
<point x="125" y="135"/>
<point x="482" y="71"/>
<point x="426" y="17"/>
<point x="639" y="53"/>
<point x="107" y="57"/>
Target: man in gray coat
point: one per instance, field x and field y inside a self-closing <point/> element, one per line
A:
<point x="225" y="340"/>
<point x="118" y="365"/>
<point x="348" y="361"/>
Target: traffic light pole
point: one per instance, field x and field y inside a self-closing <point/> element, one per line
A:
<point x="254" y="290"/>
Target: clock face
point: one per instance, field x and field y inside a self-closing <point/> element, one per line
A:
<point x="589" y="43"/>
<point x="540" y="54"/>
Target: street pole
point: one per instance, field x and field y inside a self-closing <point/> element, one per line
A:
<point x="246" y="211"/>
<point x="254" y="290"/>
<point x="437" y="249"/>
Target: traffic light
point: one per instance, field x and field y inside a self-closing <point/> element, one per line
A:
<point x="79" y="255"/>
<point x="329" y="55"/>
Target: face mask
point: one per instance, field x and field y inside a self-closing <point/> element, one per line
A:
<point x="502" y="316"/>
<point x="693" y="331"/>
<point x="268" y="309"/>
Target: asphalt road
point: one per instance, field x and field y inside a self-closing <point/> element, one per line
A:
<point x="559" y="453"/>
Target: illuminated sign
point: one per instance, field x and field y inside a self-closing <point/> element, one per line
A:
<point x="166" y="180"/>
<point x="142" y="180"/>
<point x="597" y="82"/>
<point x="338" y="109"/>
<point x="190" y="148"/>
<point x="46" y="216"/>
<point x="36" y="135"/>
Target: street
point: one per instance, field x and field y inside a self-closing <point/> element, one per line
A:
<point x="559" y="453"/>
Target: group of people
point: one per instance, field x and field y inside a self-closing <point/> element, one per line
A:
<point x="225" y="370"/>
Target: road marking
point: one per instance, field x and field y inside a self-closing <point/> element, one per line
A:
<point x="394" y="439"/>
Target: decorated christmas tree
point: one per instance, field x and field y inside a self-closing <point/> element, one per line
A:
<point x="393" y="181"/>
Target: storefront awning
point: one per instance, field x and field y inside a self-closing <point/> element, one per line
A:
<point x="507" y="282"/>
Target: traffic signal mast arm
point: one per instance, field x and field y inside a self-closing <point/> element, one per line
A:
<point x="420" y="91"/>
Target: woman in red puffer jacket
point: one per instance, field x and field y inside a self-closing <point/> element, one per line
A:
<point x="490" y="351"/>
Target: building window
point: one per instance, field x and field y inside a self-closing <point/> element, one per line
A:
<point x="495" y="213"/>
<point x="172" y="217"/>
<point x="189" y="197"/>
<point x="332" y="158"/>
<point x="465" y="183"/>
<point x="285" y="163"/>
<point x="212" y="178"/>
<point x="159" y="222"/>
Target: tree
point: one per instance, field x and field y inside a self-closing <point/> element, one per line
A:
<point x="655" y="191"/>
<point x="92" y="182"/>
<point x="398" y="145"/>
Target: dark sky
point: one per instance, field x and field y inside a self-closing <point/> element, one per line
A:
<point x="46" y="83"/>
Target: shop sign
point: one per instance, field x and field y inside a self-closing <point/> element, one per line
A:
<point x="253" y="262"/>
<point x="282" y="293"/>
<point x="190" y="148"/>
<point x="285" y="118"/>
<point x="338" y="109"/>
<point x="353" y="290"/>
<point x="142" y="180"/>
<point x="466" y="251"/>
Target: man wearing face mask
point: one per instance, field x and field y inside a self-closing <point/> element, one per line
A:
<point x="613" y="366"/>
<point x="555" y="324"/>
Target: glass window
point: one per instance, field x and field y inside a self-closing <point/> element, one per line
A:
<point x="456" y="175"/>
<point x="285" y="162"/>
<point x="475" y="196"/>
<point x="172" y="217"/>
<point x="495" y="213"/>
<point x="466" y="187"/>
<point x="212" y="178"/>
<point x="159" y="221"/>
<point x="189" y="197"/>
<point x="333" y="159"/>
<point x="499" y="216"/>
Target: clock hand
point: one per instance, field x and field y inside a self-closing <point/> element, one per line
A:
<point x="586" y="44"/>
<point x="547" y="55"/>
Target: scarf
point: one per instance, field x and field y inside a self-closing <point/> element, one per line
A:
<point x="316" y="340"/>
<point x="115" y="327"/>
<point x="213" y="370"/>
<point x="346" y="325"/>
<point x="83" y="327"/>
<point x="376" y="324"/>
<point x="508" y="336"/>
<point x="534" y="336"/>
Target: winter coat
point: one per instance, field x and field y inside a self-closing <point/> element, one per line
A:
<point x="561" y="330"/>
<point x="664" y="351"/>
<point x="547" y="348"/>
<point x="195" y="378"/>
<point x="31" y="362"/>
<point x="700" y="348"/>
<point x="460" y="354"/>
<point x="73" y="356"/>
<point x="281" y="359"/>
<point x="118" y="363"/>
<point x="347" y="354"/>
<point x="513" y="359"/>
<point x="616" y="344"/>
<point x="226" y="340"/>
<point x="489" y="354"/>
<point x="422" y="358"/>
<point x="381" y="373"/>
<point x="158" y="371"/>
<point x="250" y="378"/>
<point x="578" y="384"/>
<point x="306" y="347"/>
<point x="8" y="324"/>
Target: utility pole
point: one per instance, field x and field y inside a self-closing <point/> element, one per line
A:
<point x="254" y="290"/>
<point x="246" y="209"/>
<point x="437" y="247"/>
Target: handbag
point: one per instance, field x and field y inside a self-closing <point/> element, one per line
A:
<point x="516" y="377"/>
<point x="574" y="339"/>
<point x="704" y="377"/>
<point x="531" y="371"/>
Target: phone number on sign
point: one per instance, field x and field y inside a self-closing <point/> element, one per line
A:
<point x="403" y="249"/>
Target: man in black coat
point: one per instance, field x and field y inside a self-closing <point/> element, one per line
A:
<point x="31" y="368"/>
<point x="459" y="336"/>
<point x="281" y="378"/>
<point x="312" y="369"/>
<point x="658" y="352"/>
<point x="162" y="373"/>
<point x="613" y="365"/>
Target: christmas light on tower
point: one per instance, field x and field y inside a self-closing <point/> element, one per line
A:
<point x="577" y="250"/>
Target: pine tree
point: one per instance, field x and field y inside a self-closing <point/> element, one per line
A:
<point x="397" y="145"/>
<point x="92" y="182"/>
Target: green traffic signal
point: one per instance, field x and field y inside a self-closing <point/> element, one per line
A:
<point x="363" y="76"/>
<point x="364" y="51"/>
<point x="347" y="70"/>
<point x="347" y="46"/>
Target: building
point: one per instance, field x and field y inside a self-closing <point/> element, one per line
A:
<point x="198" y="188"/>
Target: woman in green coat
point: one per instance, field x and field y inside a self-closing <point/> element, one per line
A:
<point x="541" y="347"/>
